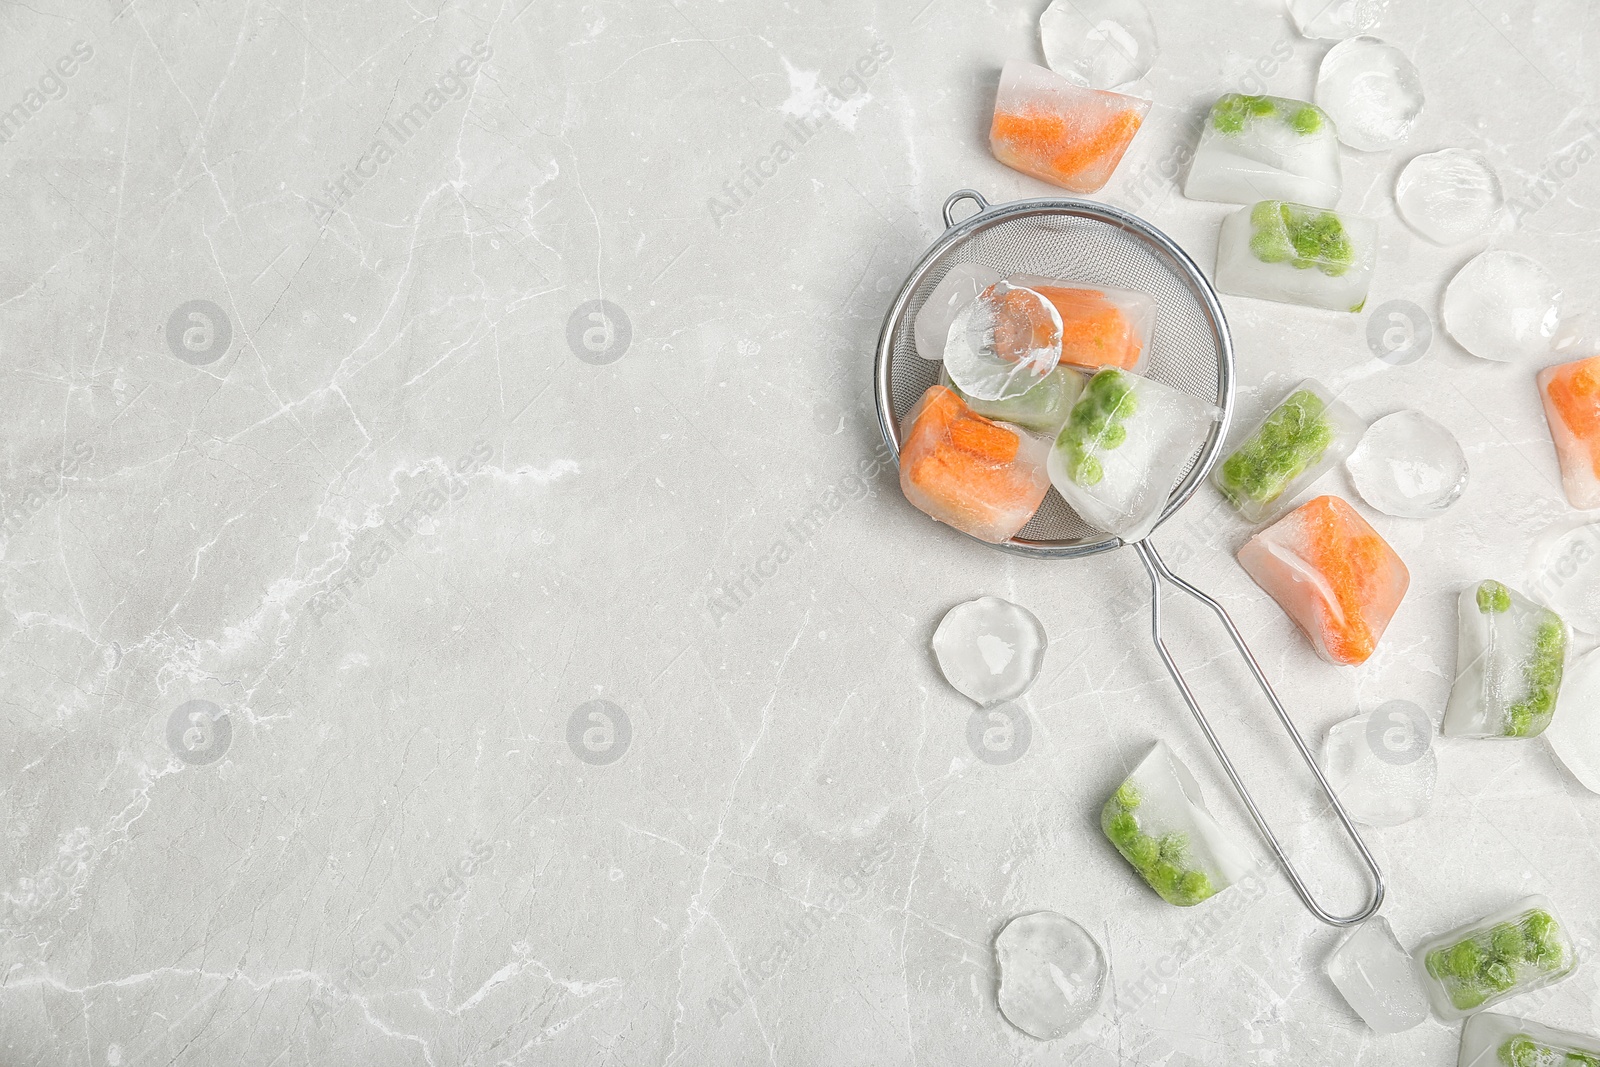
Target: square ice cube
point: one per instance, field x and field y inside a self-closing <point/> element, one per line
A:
<point x="1574" y="733"/>
<point x="1122" y="450"/>
<point x="1509" y="660"/>
<point x="1059" y="132"/>
<point x="1266" y="148"/>
<point x="1297" y="254"/>
<point x="1518" y="949"/>
<point x="1100" y="326"/>
<point x="1042" y="409"/>
<point x="955" y="290"/>
<point x="1158" y="821"/>
<point x="1288" y="450"/>
<point x="982" y="477"/>
<point x="1493" y="1040"/>
<point x="1571" y="393"/>
<point x="1378" y="979"/>
<point x="1332" y="573"/>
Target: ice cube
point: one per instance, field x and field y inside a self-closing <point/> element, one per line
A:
<point x="1003" y="342"/>
<point x="1158" y="821"/>
<point x="1408" y="466"/>
<point x="1571" y="394"/>
<point x="1058" y="132"/>
<point x="1334" y="20"/>
<point x="1378" y="979"/>
<point x="989" y="649"/>
<point x="1297" y="443"/>
<point x="1098" y="43"/>
<point x="1123" y="448"/>
<point x="1052" y="974"/>
<point x="1100" y="326"/>
<point x="1373" y="92"/>
<point x="1574" y="733"/>
<point x="1567" y="562"/>
<point x="1042" y="409"/>
<point x="1509" y="659"/>
<point x="1382" y="764"/>
<point x="1257" y="148"/>
<point x="982" y="477"/>
<point x="1516" y="950"/>
<point x="1333" y="574"/>
<point x="1298" y="254"/>
<point x="1449" y="196"/>
<point x="1503" y="306"/>
<point x="1493" y="1040"/>
<point x="955" y="291"/>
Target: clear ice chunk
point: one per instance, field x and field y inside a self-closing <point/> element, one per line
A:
<point x="1449" y="196"/>
<point x="989" y="649"/>
<point x="1331" y="573"/>
<point x="1574" y="733"/>
<point x="1275" y="250"/>
<point x="982" y="477"/>
<point x="1100" y="326"/>
<point x="1510" y="655"/>
<point x="1052" y="974"/>
<point x="1099" y="43"/>
<point x="1059" y="132"/>
<point x="1503" y="306"/>
<point x="1571" y="395"/>
<point x="1257" y="148"/>
<point x="1567" y="562"/>
<point x="1297" y="443"/>
<point x="1377" y="978"/>
<point x="1373" y="92"/>
<point x="955" y="291"/>
<point x="1334" y="20"/>
<point x="1003" y="342"/>
<point x="1516" y="950"/>
<point x="1123" y="448"/>
<point x="1042" y="409"/>
<point x="1408" y="466"/>
<point x="1382" y="764"/>
<point x="1158" y="821"/>
<point x="1493" y="1040"/>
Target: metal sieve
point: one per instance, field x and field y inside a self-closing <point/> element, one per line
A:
<point x="1191" y="350"/>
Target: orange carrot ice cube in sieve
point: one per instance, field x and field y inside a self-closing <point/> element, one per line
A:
<point x="1332" y="573"/>
<point x="1060" y="132"/>
<point x="1094" y="330"/>
<point x="984" y="478"/>
<point x="1571" y="393"/>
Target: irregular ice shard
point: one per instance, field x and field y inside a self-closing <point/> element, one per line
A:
<point x="1510" y="657"/>
<point x="1058" y="132"/>
<point x="1449" y="196"/>
<point x="1382" y="764"/>
<point x="1051" y="974"/>
<point x="1378" y="979"/>
<point x="1333" y="574"/>
<point x="1003" y="342"/>
<point x="1373" y="92"/>
<point x="1516" y="950"/>
<point x="1098" y="43"/>
<point x="1571" y="394"/>
<point x="1408" y="466"/>
<point x="1122" y="450"/>
<point x="990" y="649"/>
<point x="1503" y="306"/>
<point x="1257" y="148"/>
<point x="955" y="291"/>
<point x="1158" y="821"/>
<point x="1297" y="254"/>
<point x="1288" y="451"/>
<point x="982" y="477"/>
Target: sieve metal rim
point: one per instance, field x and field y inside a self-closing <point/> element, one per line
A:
<point x="1175" y="258"/>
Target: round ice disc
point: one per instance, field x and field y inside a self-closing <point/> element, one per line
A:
<point x="989" y="649"/>
<point x="1409" y="466"/>
<point x="1051" y="974"/>
<point x="1503" y="306"/>
<point x="1372" y="92"/>
<point x="1003" y="342"/>
<point x="1098" y="43"/>
<point x="1449" y="196"/>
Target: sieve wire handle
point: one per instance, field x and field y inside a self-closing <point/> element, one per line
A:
<point x="1159" y="572"/>
<point x="955" y="198"/>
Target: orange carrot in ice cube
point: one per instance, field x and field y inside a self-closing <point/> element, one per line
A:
<point x="1059" y="132"/>
<point x="1571" y="394"/>
<point x="1094" y="330"/>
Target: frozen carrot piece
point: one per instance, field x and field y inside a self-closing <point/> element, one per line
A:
<point x="1094" y="331"/>
<point x="1571" y="394"/>
<point x="1333" y="574"/>
<point x="1060" y="132"/>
